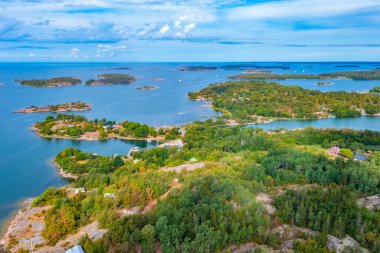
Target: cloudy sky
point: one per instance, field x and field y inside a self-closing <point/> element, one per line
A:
<point x="189" y="30"/>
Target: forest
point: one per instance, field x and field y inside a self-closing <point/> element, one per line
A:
<point x="51" y="82"/>
<point x="73" y="126"/>
<point x="109" y="79"/>
<point x="245" y="100"/>
<point x="216" y="206"/>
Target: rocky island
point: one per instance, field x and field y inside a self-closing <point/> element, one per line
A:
<point x="65" y="126"/>
<point x="324" y="83"/>
<point x="51" y="82"/>
<point x="147" y="87"/>
<point x="111" y="79"/>
<point x="65" y="107"/>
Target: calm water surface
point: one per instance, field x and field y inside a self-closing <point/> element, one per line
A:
<point x="25" y="159"/>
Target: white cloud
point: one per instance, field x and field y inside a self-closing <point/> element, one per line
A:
<point x="189" y="27"/>
<point x="74" y="52"/>
<point x="165" y="29"/>
<point x="300" y="9"/>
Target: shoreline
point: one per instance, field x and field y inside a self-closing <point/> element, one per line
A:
<point x="49" y="111"/>
<point x="92" y="139"/>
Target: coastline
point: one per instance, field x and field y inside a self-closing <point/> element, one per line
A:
<point x="48" y="111"/>
<point x="96" y="139"/>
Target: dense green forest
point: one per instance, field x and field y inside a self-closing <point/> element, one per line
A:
<point x="211" y="208"/>
<point x="245" y="100"/>
<point x="375" y="89"/>
<point x="354" y="75"/>
<point x="109" y="79"/>
<point x="51" y="82"/>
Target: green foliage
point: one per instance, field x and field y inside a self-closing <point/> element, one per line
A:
<point x="75" y="126"/>
<point x="48" y="196"/>
<point x="57" y="81"/>
<point x="108" y="79"/>
<point x="244" y="99"/>
<point x="354" y="75"/>
<point x="375" y="89"/>
<point x="346" y="153"/>
<point x="332" y="210"/>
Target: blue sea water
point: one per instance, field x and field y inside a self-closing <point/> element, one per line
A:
<point x="26" y="160"/>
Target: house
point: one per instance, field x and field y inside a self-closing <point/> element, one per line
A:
<point x="106" y="125"/>
<point x="359" y="157"/>
<point x="128" y="212"/>
<point x="109" y="195"/>
<point x="334" y="150"/>
<point x="75" y="249"/>
<point x="79" y="190"/>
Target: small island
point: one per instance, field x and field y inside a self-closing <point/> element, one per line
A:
<point x="65" y="107"/>
<point x="375" y="89"/>
<point x="147" y="87"/>
<point x="77" y="127"/>
<point x="115" y="68"/>
<point x="51" y="82"/>
<point x="324" y="83"/>
<point x="197" y="68"/>
<point x="248" y="101"/>
<point x="157" y="79"/>
<point x="354" y="75"/>
<point x="111" y="79"/>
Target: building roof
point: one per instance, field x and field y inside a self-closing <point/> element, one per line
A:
<point x="75" y="249"/>
<point x="360" y="157"/>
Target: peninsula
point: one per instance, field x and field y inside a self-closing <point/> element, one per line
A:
<point x="51" y="82"/>
<point x="65" y="107"/>
<point x="259" y="183"/>
<point x="65" y="126"/>
<point x="375" y="89"/>
<point x="246" y="100"/>
<point x="111" y="79"/>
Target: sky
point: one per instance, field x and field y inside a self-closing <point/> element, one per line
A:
<point x="189" y="30"/>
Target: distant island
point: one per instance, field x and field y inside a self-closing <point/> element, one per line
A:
<point x="65" y="126"/>
<point x="111" y="79"/>
<point x="346" y="66"/>
<point x="197" y="68"/>
<point x="375" y="89"/>
<point x="248" y="100"/>
<point x="116" y="68"/>
<point x="158" y="79"/>
<point x="324" y="83"/>
<point x="51" y="82"/>
<point x="65" y="107"/>
<point x="233" y="67"/>
<point x="354" y="75"/>
<point x="147" y="87"/>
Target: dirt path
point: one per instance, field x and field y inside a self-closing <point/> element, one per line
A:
<point x="153" y="202"/>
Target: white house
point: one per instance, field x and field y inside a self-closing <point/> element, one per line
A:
<point x="79" y="190"/>
<point x="109" y="195"/>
